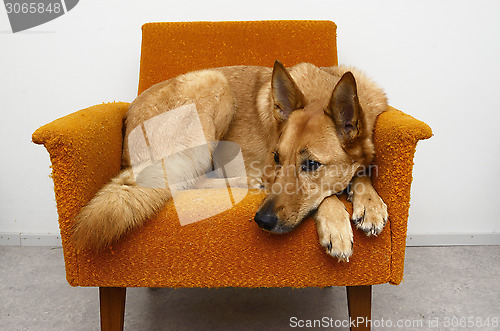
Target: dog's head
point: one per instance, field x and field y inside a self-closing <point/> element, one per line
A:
<point x="321" y="146"/>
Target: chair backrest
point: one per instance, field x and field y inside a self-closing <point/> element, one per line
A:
<point x="171" y="49"/>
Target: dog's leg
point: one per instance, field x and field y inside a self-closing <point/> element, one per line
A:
<point x="334" y="228"/>
<point x="369" y="211"/>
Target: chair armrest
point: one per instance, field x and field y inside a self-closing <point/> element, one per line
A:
<point x="85" y="150"/>
<point x="395" y="138"/>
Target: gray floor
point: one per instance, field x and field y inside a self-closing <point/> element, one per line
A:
<point x="450" y="286"/>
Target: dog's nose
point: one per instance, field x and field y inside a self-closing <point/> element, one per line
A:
<point x="265" y="217"/>
<point x="267" y="221"/>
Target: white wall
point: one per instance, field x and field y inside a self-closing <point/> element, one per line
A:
<point x="437" y="60"/>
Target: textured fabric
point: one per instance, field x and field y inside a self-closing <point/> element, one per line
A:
<point x="171" y="49"/>
<point x="395" y="137"/>
<point x="85" y="150"/>
<point x="227" y="249"/>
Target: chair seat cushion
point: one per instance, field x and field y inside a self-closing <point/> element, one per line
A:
<point x="229" y="250"/>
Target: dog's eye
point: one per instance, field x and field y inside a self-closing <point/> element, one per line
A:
<point x="310" y="165"/>
<point x="276" y="158"/>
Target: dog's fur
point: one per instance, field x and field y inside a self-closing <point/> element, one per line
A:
<point x="304" y="128"/>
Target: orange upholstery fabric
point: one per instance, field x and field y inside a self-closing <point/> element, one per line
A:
<point x="227" y="249"/>
<point x="171" y="49"/>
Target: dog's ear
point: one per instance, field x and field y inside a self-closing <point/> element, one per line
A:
<point x="286" y="95"/>
<point x="345" y="110"/>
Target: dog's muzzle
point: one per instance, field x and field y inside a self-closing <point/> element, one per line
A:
<point x="266" y="217"/>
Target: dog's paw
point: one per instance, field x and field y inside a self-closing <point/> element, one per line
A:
<point x="335" y="235"/>
<point x="369" y="212"/>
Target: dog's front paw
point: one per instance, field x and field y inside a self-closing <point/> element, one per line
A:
<point x="335" y="234"/>
<point x="369" y="212"/>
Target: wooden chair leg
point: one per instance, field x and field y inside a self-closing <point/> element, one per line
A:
<point x="359" y="302"/>
<point x="112" y="302"/>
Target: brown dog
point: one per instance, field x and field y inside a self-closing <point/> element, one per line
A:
<point x="305" y="134"/>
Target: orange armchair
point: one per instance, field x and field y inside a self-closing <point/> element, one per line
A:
<point x="226" y="250"/>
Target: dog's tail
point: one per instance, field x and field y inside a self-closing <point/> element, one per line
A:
<point x="118" y="207"/>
